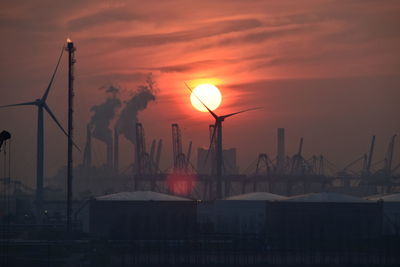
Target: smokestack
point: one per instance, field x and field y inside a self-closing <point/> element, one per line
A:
<point x="101" y="119"/>
<point x="110" y="154"/>
<point x="281" y="150"/>
<point x="152" y="154"/>
<point x="116" y="150"/>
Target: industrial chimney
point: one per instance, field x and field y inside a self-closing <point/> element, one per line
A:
<point x="116" y="150"/>
<point x="281" y="150"/>
<point x="110" y="154"/>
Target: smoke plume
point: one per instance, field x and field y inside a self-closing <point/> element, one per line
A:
<point x="129" y="114"/>
<point x="103" y="115"/>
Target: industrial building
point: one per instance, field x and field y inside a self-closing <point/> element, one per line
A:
<point x="242" y="214"/>
<point x="142" y="215"/>
<point x="294" y="223"/>
<point x="323" y="220"/>
<point x="258" y="196"/>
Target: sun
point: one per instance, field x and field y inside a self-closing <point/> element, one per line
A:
<point x="209" y="95"/>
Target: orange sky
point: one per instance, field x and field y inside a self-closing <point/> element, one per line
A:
<point x="324" y="70"/>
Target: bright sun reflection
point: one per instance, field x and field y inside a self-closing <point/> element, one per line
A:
<point x="209" y="95"/>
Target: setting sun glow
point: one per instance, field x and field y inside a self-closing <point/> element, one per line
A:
<point x="209" y="95"/>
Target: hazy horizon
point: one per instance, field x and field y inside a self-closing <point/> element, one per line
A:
<point x="326" y="71"/>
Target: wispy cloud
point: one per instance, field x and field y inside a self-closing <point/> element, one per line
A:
<point x="207" y="30"/>
<point x="103" y="17"/>
<point x="307" y="56"/>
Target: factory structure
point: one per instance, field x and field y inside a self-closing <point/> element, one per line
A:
<point x="319" y="217"/>
<point x="281" y="174"/>
<point x="317" y="228"/>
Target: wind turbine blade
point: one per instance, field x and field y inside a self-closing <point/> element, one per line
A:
<point x="229" y="115"/>
<point x="58" y="123"/>
<point x="46" y="93"/>
<point x="20" y="104"/>
<point x="198" y="98"/>
<point x="211" y="143"/>
<point x="55" y="119"/>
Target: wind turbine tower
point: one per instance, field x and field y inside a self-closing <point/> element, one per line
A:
<point x="218" y="133"/>
<point x="42" y="106"/>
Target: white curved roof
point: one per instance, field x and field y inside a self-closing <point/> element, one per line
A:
<point x="257" y="196"/>
<point x="326" y="197"/>
<point x="142" y="196"/>
<point x="387" y="198"/>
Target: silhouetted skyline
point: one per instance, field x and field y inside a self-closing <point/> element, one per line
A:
<point x="325" y="71"/>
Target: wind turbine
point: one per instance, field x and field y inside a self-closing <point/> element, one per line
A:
<point x="218" y="131"/>
<point x="42" y="106"/>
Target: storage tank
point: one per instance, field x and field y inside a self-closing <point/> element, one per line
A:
<point x="322" y="220"/>
<point x="241" y="214"/>
<point x="142" y="215"/>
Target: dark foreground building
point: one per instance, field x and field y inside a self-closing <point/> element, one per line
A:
<point x="142" y="215"/>
<point x="323" y="225"/>
<point x="257" y="229"/>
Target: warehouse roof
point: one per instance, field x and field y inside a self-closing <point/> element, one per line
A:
<point x="387" y="198"/>
<point x="326" y="197"/>
<point x="141" y="196"/>
<point x="257" y="196"/>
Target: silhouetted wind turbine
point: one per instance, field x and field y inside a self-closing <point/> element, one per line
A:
<point x="41" y="105"/>
<point x="218" y="131"/>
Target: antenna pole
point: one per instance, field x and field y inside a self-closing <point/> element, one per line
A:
<point x="71" y="61"/>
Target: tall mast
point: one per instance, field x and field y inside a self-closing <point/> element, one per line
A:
<point x="71" y="61"/>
